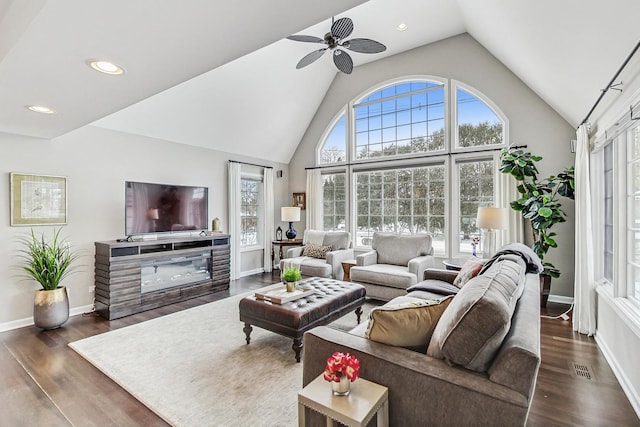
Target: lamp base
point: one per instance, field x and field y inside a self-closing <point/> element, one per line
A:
<point x="291" y="233"/>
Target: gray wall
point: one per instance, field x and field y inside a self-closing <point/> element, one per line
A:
<point x="96" y="163"/>
<point x="531" y="120"/>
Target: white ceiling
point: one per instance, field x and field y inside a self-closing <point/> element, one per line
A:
<point x="221" y="75"/>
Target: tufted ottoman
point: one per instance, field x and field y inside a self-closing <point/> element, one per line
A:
<point x="331" y="300"/>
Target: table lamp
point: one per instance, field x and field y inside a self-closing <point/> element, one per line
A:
<point x="491" y="219"/>
<point x="290" y="215"/>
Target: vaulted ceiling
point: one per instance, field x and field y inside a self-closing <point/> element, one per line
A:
<point x="221" y="75"/>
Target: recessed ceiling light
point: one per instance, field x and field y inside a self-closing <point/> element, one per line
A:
<point x="106" y="67"/>
<point x="40" y="109"/>
<point x="402" y="26"/>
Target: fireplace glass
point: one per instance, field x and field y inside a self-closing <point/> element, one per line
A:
<point x="163" y="273"/>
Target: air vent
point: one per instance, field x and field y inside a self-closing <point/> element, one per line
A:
<point x="583" y="371"/>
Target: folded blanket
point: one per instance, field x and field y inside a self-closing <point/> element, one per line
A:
<point x="534" y="265"/>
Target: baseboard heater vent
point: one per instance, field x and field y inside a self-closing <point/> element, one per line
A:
<point x="583" y="371"/>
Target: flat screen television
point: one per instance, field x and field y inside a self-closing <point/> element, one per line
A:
<point x="161" y="208"/>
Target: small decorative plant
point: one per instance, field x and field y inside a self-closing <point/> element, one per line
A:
<point x="539" y="200"/>
<point x="342" y="365"/>
<point x="48" y="263"/>
<point x="291" y="274"/>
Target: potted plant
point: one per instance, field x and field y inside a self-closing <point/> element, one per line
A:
<point x="290" y="276"/>
<point x="48" y="263"/>
<point x="539" y="202"/>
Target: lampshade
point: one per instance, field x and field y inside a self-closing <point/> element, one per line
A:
<point x="492" y="218"/>
<point x="153" y="213"/>
<point x="290" y="214"/>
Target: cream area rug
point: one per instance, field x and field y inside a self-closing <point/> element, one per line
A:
<point x="193" y="367"/>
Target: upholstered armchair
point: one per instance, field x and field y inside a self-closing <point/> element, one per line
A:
<point x="395" y="262"/>
<point x="321" y="254"/>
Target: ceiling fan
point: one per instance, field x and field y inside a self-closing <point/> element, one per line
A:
<point x="335" y="39"/>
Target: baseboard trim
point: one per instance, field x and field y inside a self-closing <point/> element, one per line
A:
<point x="28" y="321"/>
<point x="561" y="299"/>
<point x="626" y="385"/>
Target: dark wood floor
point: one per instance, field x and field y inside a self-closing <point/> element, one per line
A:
<point x="45" y="383"/>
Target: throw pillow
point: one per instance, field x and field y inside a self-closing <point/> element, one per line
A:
<point x="469" y="270"/>
<point x="406" y="322"/>
<point x="316" y="251"/>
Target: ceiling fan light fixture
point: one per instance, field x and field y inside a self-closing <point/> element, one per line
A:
<point x="402" y="26"/>
<point x="39" y="109"/>
<point x="106" y="67"/>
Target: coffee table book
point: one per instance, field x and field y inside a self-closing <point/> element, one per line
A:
<point x="278" y="294"/>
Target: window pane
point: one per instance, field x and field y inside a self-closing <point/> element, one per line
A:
<point x="401" y="200"/>
<point x="633" y="222"/>
<point x="334" y="202"/>
<point x="408" y="121"/>
<point x="608" y="212"/>
<point x="334" y="149"/>
<point x="477" y="123"/>
<point x="249" y="212"/>
<point x="476" y="189"/>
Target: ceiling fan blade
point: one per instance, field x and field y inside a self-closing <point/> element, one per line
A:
<point x="308" y="59"/>
<point x="343" y="61"/>
<point x="364" y="46"/>
<point x="342" y="28"/>
<point x="308" y="39"/>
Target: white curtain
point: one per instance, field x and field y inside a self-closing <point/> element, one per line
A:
<point x="268" y="217"/>
<point x="234" y="217"/>
<point x="584" y="292"/>
<point x="314" y="200"/>
<point x="507" y="192"/>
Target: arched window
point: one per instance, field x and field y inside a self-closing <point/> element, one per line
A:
<point x="390" y="172"/>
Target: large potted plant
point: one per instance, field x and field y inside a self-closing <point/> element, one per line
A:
<point x="48" y="263"/>
<point x="539" y="203"/>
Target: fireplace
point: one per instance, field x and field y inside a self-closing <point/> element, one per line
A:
<point x="169" y="272"/>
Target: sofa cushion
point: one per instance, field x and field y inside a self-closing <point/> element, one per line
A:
<point x="336" y="239"/>
<point x="474" y="325"/>
<point x="399" y="249"/>
<point x="406" y="321"/>
<point x="469" y="270"/>
<point x="316" y="251"/>
<point x="392" y="276"/>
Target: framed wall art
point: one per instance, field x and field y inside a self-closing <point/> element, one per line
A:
<point x="38" y="199"/>
<point x="299" y="200"/>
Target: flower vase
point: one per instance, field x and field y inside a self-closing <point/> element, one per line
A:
<point x="342" y="387"/>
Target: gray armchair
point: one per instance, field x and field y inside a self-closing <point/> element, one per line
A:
<point x="395" y="262"/>
<point x="330" y="265"/>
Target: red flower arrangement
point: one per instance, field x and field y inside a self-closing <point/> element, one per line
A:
<point x="340" y="364"/>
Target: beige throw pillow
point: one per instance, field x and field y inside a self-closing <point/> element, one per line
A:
<point x="316" y="251"/>
<point x="406" y="322"/>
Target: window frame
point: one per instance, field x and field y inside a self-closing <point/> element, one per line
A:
<point x="446" y="156"/>
<point x="259" y="213"/>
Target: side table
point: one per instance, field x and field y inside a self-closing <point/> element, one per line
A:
<point x="280" y="244"/>
<point x="454" y="263"/>
<point x="356" y="409"/>
<point x="346" y="267"/>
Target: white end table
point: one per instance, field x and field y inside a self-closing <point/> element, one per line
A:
<point x="356" y="409"/>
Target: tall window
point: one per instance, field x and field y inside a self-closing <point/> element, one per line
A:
<point x="633" y="219"/>
<point x="334" y="201"/>
<point x="250" y="211"/>
<point x="608" y="212"/>
<point x="475" y="190"/>
<point x="398" y="163"/>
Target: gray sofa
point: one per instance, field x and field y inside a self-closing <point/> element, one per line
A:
<point x="395" y="262"/>
<point x="482" y="361"/>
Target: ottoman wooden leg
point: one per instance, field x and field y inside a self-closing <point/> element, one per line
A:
<point x="297" y="347"/>
<point x="247" y="331"/>
<point x="359" y="313"/>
